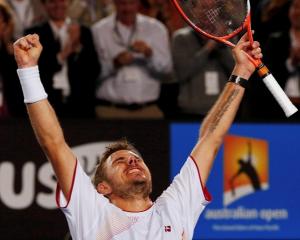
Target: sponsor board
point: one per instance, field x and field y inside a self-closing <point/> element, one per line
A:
<point x="254" y="181"/>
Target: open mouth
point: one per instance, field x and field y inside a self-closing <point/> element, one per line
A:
<point x="133" y="171"/>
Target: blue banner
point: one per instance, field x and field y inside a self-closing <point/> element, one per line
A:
<point x="254" y="181"/>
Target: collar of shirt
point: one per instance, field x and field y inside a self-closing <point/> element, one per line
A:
<point x="61" y="33"/>
<point x="124" y="35"/>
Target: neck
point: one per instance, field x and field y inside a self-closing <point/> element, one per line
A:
<point x="58" y="23"/>
<point x="132" y="204"/>
<point x="127" y="21"/>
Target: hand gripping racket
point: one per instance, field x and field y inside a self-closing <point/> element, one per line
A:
<point x="222" y="20"/>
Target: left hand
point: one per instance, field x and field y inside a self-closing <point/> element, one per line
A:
<point x="142" y="47"/>
<point x="243" y="66"/>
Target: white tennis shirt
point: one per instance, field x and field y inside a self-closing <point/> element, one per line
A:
<point x="172" y="216"/>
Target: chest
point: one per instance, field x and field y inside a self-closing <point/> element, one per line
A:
<point x="154" y="225"/>
<point x="119" y="38"/>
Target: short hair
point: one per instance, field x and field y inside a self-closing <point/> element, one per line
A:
<point x="123" y="144"/>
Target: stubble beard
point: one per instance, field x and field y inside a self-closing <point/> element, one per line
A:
<point x="134" y="189"/>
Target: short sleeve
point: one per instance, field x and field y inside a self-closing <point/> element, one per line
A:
<point x="84" y="206"/>
<point x="187" y="196"/>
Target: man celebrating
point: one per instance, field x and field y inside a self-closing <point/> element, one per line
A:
<point x="119" y="206"/>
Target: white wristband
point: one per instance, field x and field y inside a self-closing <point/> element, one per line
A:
<point x="32" y="87"/>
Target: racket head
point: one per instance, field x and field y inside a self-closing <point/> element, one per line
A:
<point x="216" y="19"/>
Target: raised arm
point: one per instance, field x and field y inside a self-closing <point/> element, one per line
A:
<point x="222" y="114"/>
<point x="44" y="122"/>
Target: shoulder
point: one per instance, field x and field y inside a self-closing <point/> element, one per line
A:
<point x="104" y="24"/>
<point x="44" y="31"/>
<point x="185" y="35"/>
<point x="150" y="22"/>
<point x="38" y="28"/>
<point x="182" y="32"/>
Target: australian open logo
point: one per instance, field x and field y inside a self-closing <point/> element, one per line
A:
<point x="246" y="167"/>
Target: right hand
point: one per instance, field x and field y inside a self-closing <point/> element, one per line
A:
<point x="27" y="51"/>
<point x="74" y="33"/>
<point x="142" y="47"/>
<point x="124" y="58"/>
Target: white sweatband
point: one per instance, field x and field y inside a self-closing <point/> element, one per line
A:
<point x="32" y="87"/>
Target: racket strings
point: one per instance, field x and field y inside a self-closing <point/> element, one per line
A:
<point x="212" y="14"/>
<point x="216" y="17"/>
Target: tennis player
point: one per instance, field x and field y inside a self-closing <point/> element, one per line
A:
<point x="116" y="205"/>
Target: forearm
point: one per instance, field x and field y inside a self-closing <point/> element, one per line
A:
<point x="46" y="126"/>
<point x="161" y="59"/>
<point x="44" y="123"/>
<point x="50" y="137"/>
<point x="49" y="133"/>
<point x="216" y="125"/>
<point x="225" y="109"/>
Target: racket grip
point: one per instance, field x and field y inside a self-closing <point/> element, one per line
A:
<point x="280" y="96"/>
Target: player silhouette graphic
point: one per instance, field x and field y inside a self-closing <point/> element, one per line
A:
<point x="246" y="167"/>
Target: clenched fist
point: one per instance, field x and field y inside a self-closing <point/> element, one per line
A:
<point x="27" y="51"/>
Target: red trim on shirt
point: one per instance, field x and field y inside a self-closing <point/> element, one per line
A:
<point x="58" y="189"/>
<point x="206" y="193"/>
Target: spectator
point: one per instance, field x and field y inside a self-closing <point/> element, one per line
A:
<point x="69" y="63"/>
<point x="135" y="54"/>
<point x="202" y="68"/>
<point x="87" y="12"/>
<point x="270" y="16"/>
<point x="26" y="14"/>
<point x="10" y="92"/>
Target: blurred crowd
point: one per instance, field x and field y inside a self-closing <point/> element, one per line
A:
<point x="137" y="59"/>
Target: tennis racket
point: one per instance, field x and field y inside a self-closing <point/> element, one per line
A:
<point x="223" y="20"/>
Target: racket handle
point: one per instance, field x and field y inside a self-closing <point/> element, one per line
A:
<point x="283" y="100"/>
